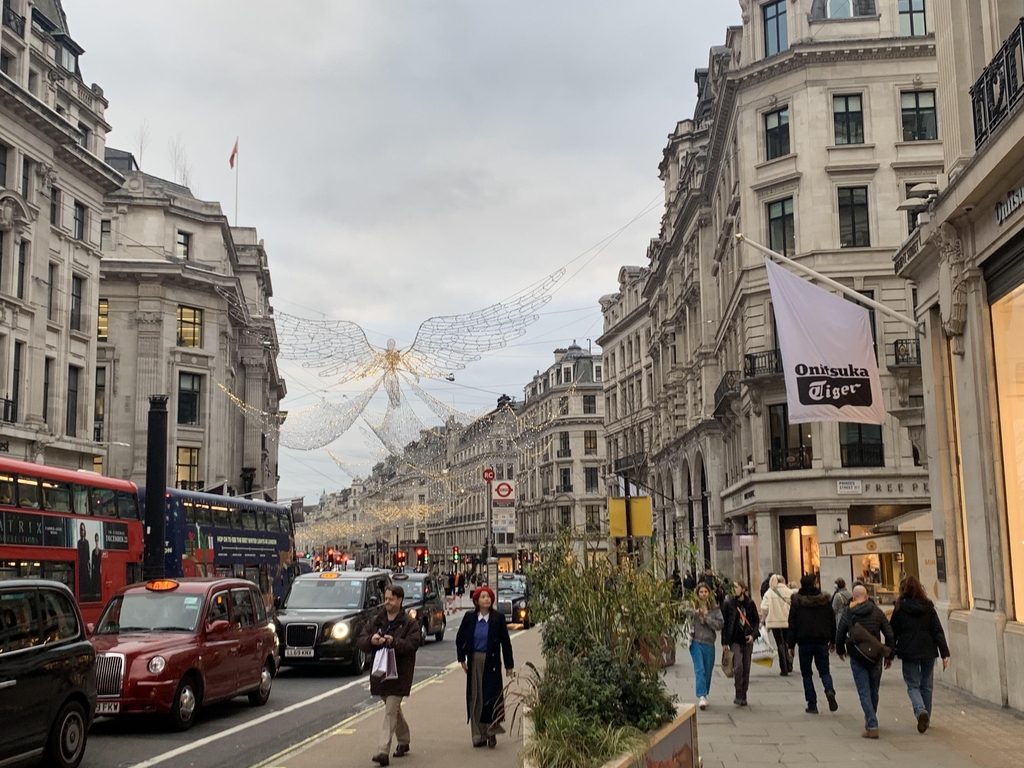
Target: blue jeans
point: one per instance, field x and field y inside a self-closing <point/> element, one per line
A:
<point x="867" y="679"/>
<point x="703" y="656"/>
<point x="918" y="674"/>
<point x="818" y="654"/>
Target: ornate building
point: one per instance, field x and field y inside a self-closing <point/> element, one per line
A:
<point x="53" y="178"/>
<point x="184" y="310"/>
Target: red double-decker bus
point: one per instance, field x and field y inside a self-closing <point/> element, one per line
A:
<point x="79" y="528"/>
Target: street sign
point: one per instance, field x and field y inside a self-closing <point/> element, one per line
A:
<point x="488" y="475"/>
<point x="504" y="494"/>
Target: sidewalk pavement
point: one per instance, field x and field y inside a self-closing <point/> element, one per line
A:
<point x="774" y="729"/>
<point x="436" y="713"/>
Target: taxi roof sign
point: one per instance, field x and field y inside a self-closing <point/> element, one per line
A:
<point x="329" y="575"/>
<point x="161" y="585"/>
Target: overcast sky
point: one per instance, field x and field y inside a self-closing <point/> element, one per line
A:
<point x="416" y="158"/>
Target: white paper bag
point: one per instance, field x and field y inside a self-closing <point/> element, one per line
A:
<point x="385" y="665"/>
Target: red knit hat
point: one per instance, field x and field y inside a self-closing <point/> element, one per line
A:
<point x="480" y="590"/>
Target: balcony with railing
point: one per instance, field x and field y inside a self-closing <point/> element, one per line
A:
<point x="10" y="410"/>
<point x="563" y="488"/>
<point x="762" y="364"/>
<point x="785" y="459"/>
<point x="14" y="22"/>
<point x="563" y="453"/>
<point x="191" y="485"/>
<point x="1000" y="89"/>
<point x="907" y="353"/>
<point x="728" y="387"/>
<point x="863" y="455"/>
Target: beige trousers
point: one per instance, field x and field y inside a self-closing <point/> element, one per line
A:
<point x="394" y="725"/>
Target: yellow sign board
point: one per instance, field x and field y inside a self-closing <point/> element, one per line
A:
<point x="639" y="513"/>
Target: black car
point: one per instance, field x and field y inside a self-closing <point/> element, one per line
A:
<point x="319" y="620"/>
<point x="424" y="601"/>
<point x="47" y="674"/>
<point x="513" y="598"/>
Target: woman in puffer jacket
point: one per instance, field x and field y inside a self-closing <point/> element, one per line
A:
<point x="775" y="616"/>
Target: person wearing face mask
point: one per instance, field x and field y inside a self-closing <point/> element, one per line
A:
<point x="480" y="644"/>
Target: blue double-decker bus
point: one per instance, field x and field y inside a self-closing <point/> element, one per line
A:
<point x="211" y="535"/>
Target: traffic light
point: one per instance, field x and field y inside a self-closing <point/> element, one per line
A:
<point x="309" y="555"/>
<point x="455" y="554"/>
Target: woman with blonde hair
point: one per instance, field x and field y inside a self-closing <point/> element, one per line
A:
<point x="705" y="622"/>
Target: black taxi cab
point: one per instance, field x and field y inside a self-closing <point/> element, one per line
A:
<point x="169" y="646"/>
<point x="424" y="601"/>
<point x="319" y="620"/>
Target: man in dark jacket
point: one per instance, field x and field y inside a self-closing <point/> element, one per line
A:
<point x="860" y="633"/>
<point x="741" y="621"/>
<point x="812" y="627"/>
<point x="392" y="628"/>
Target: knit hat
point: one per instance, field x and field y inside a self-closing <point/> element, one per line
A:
<point x="479" y="591"/>
<point x="807" y="581"/>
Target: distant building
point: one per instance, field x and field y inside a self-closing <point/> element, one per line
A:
<point x="184" y="310"/>
<point x="561" y="480"/>
<point x="52" y="182"/>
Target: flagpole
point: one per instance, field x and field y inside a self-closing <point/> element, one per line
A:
<point x="861" y="298"/>
<point x="237" y="164"/>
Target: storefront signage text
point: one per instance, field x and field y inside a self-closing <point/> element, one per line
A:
<point x="1014" y="200"/>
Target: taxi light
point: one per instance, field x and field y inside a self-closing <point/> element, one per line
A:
<point x="328" y="575"/>
<point x="162" y="585"/>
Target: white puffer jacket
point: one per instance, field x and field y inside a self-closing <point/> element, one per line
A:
<point x="775" y="604"/>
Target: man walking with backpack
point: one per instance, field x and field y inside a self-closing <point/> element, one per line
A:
<point x="860" y="633"/>
<point x="812" y="630"/>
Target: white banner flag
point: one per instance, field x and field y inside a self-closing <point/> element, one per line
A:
<point x="828" y="354"/>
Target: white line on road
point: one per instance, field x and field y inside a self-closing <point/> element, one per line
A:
<point x="162" y="758"/>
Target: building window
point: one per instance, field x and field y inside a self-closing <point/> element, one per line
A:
<point x="565" y="480"/>
<point x="184" y="245"/>
<point x="77" y="287"/>
<point x="79" y="228"/>
<point x="99" y="410"/>
<point x="789" y="444"/>
<point x="565" y="516"/>
<point x="54" y="206"/>
<point x="912" y="21"/>
<point x="190" y="327"/>
<point x="83" y="136"/>
<point x="590" y="404"/>
<point x="919" y="121"/>
<point x="593" y="518"/>
<point x="869" y="294"/>
<point x="598" y="373"/>
<point x="592" y="481"/>
<point x="781" y="232"/>
<point x="912" y="216"/>
<point x="189" y="389"/>
<point x="71" y="417"/>
<point x="66" y="58"/>
<point x="776" y="35"/>
<point x="26" y="176"/>
<point x="187" y="470"/>
<point x="51" y="291"/>
<point x="563" y="445"/>
<point x="848" y="119"/>
<point x="5" y="60"/>
<point x="3" y="165"/>
<point x="23" y="247"/>
<point x="106" y="243"/>
<point x="47" y="377"/>
<point x="860" y="445"/>
<point x="854" y="231"/>
<point x="102" y="320"/>
<point x="590" y="442"/>
<point x="776" y="133"/>
<point x="16" y="374"/>
<point x="563" y="406"/>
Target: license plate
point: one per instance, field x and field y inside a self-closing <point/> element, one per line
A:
<point x="108" y="707"/>
<point x="302" y="653"/>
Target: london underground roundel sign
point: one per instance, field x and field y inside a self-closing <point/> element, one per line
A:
<point x="503" y="490"/>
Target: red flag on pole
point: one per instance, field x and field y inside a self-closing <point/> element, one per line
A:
<point x="234" y="154"/>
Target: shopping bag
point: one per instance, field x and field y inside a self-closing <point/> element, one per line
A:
<point x="384" y="664"/>
<point x="727" y="661"/>
<point x="763" y="652"/>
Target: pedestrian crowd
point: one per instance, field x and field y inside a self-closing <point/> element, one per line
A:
<point x="808" y="625"/>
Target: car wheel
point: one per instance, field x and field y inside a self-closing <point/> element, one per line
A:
<point x="359" y="663"/>
<point x="66" y="744"/>
<point x="440" y="635"/>
<point x="261" y="695"/>
<point x="185" y="704"/>
<point x="423" y="634"/>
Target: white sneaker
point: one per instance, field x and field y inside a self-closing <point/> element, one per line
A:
<point x="703" y="703"/>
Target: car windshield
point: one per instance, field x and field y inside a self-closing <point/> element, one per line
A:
<point x="413" y="589"/>
<point x="326" y="593"/>
<point x="512" y="584"/>
<point x="151" y="612"/>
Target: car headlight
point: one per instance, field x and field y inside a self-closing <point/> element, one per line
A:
<point x="341" y="630"/>
<point x="521" y="604"/>
<point x="412" y="613"/>
<point x="156" y="665"/>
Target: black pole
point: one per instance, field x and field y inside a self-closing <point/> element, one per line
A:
<point x="154" y="566"/>
<point x="629" y="518"/>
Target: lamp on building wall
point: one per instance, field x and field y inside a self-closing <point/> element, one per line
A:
<point x="840" y="531"/>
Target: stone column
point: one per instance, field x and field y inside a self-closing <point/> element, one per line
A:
<point x="252" y="449"/>
<point x="829" y="519"/>
<point x="148" y="381"/>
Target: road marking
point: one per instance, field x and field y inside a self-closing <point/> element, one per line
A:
<point x="185" y="748"/>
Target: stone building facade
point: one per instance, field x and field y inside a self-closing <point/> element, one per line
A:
<point x="52" y="182"/>
<point x="967" y="260"/>
<point x="563" y="455"/>
<point x="184" y="310"/>
<point x="806" y="143"/>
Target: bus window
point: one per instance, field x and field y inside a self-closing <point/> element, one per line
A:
<point x="252" y="573"/>
<point x="64" y="572"/>
<point x="286" y="523"/>
<point x="6" y="489"/>
<point x="190" y="511"/>
<point x="127" y="505"/>
<point x="104" y="502"/>
<point x="273" y="524"/>
<point x="80" y="499"/>
<point x="204" y="516"/>
<point x="28" y="493"/>
<point x="222" y="516"/>
<point x="261" y="519"/>
<point x="248" y="518"/>
<point x="56" y="496"/>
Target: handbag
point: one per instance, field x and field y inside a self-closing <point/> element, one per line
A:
<point x="763" y="652"/>
<point x="385" y="665"/>
<point x="869" y="646"/>
<point x="727" y="669"/>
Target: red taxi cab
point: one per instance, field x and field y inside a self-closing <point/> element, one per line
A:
<point x="170" y="646"/>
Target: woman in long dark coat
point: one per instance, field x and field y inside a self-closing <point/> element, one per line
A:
<point x="480" y="643"/>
